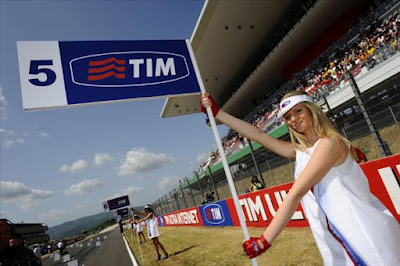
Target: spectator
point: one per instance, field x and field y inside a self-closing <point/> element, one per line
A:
<point x="255" y="184"/>
<point x="208" y="198"/>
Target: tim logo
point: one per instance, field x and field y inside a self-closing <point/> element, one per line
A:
<point x="285" y="104"/>
<point x="214" y="214"/>
<point x="161" y="221"/>
<point x="126" y="69"/>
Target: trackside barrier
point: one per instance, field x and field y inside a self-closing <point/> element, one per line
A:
<point x="260" y="207"/>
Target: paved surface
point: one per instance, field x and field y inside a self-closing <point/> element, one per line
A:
<point x="112" y="251"/>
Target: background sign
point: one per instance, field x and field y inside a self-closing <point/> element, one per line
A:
<point x="116" y="203"/>
<point x="216" y="214"/>
<point x="123" y="213"/>
<point x="58" y="74"/>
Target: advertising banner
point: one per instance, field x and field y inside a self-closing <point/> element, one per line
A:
<point x="216" y="214"/>
<point x="189" y="216"/>
<point x="66" y="73"/>
<point x="384" y="181"/>
<point x="260" y="207"/>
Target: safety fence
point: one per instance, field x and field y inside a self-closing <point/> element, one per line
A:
<point x="260" y="207"/>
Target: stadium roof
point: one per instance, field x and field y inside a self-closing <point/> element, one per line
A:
<point x="236" y="52"/>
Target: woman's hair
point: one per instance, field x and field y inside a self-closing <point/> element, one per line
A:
<point x="148" y="207"/>
<point x="321" y="124"/>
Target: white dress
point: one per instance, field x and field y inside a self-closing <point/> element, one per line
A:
<point x="152" y="227"/>
<point x="350" y="225"/>
<point x="138" y="227"/>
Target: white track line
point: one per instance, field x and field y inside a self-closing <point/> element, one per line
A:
<point x="134" y="262"/>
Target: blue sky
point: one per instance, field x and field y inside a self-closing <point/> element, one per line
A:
<point x="58" y="165"/>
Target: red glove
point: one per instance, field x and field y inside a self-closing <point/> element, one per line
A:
<point x="252" y="248"/>
<point x="214" y="106"/>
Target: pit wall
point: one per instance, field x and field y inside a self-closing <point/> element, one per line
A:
<point x="260" y="207"/>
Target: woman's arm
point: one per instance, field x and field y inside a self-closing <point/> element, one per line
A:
<point x="332" y="151"/>
<point x="249" y="131"/>
<point x="138" y="212"/>
<point x="251" y="187"/>
<point x="150" y="215"/>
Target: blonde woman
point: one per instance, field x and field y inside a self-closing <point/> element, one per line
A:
<point x="349" y="224"/>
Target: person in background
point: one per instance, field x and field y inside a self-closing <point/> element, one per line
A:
<point x="61" y="247"/>
<point x="350" y="225"/>
<point x="121" y="228"/>
<point x="255" y="184"/>
<point x="38" y="253"/>
<point x="139" y="229"/>
<point x="152" y="229"/>
<point x="208" y="198"/>
<point x="359" y="155"/>
<point x="16" y="240"/>
<point x="16" y="254"/>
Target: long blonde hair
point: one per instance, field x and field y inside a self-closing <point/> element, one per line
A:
<point x="321" y="125"/>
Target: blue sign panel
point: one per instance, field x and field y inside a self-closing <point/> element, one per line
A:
<point x="118" y="203"/>
<point x="216" y="214"/>
<point x="123" y="213"/>
<point x="161" y="221"/>
<point x="56" y="74"/>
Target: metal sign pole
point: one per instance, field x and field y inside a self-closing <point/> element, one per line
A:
<point x="222" y="154"/>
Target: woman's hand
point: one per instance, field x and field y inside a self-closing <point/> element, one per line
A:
<point x="255" y="246"/>
<point x="206" y="100"/>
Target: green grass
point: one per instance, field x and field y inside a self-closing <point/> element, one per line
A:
<point x="190" y="245"/>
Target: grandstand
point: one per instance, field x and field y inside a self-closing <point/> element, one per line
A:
<point x="252" y="52"/>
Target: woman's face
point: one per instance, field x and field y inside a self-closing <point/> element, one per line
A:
<point x="299" y="118"/>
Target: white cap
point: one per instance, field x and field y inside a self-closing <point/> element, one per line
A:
<point x="289" y="103"/>
<point x="147" y="206"/>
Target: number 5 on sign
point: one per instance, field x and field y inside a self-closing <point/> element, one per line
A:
<point x="41" y="73"/>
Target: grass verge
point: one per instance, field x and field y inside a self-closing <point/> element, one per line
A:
<point x="223" y="246"/>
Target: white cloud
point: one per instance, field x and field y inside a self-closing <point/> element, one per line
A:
<point x="55" y="216"/>
<point x="44" y="134"/>
<point x="83" y="187"/>
<point x="7" y="143"/>
<point x="102" y="158"/>
<point x="140" y="160"/>
<point x="6" y="132"/>
<point x="6" y="138"/>
<point x="168" y="183"/>
<point x="24" y="197"/>
<point x="75" y="166"/>
<point x="3" y="104"/>
<point x="130" y="191"/>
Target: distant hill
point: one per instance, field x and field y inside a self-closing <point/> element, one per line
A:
<point x="85" y="223"/>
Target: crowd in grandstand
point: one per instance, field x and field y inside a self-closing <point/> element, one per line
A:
<point x="374" y="44"/>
